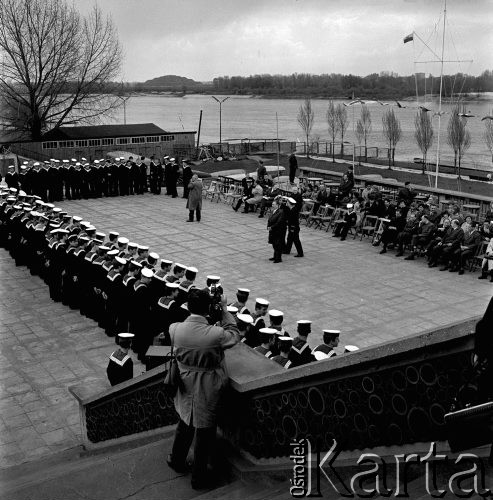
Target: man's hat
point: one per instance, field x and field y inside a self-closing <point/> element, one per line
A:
<point x="244" y="291"/>
<point x="304" y="326"/>
<point x="113" y="253"/>
<point x="245" y="318"/>
<point x="154" y="256"/>
<point x="232" y="309"/>
<point x="166" y="263"/>
<point x="114" y="234"/>
<point x="292" y="201"/>
<point x="261" y="302"/>
<point x="350" y="348"/>
<point x="147" y="273"/>
<point x="173" y="286"/>
<point x="275" y="313"/>
<point x="285" y="343"/>
<point x="76" y="218"/>
<point x="126" y="335"/>
<point x="179" y="267"/>
<point x="269" y="331"/>
<point x="349" y="205"/>
<point x="120" y="261"/>
<point x="122" y="240"/>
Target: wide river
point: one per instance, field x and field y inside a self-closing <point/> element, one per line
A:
<point x="254" y="118"/>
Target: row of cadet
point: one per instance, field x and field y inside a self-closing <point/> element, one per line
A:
<point x="120" y="284"/>
<point x="56" y="180"/>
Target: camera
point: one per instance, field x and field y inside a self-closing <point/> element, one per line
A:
<point x="215" y="292"/>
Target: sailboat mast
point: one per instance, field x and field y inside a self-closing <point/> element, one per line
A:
<point x="440" y="95"/>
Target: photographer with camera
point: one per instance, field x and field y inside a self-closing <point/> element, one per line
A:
<point x="199" y="350"/>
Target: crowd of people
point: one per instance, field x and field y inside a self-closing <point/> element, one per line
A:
<point x="124" y="286"/>
<point x="55" y="180"/>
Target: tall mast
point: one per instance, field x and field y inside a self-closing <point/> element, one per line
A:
<point x="440" y="96"/>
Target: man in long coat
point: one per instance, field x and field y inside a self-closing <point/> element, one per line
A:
<point x="187" y="177"/>
<point x="277" y="231"/>
<point x="194" y="202"/>
<point x="199" y="350"/>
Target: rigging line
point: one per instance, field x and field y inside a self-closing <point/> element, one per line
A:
<point x="415" y="75"/>
<point x="428" y="47"/>
<point x="425" y="44"/>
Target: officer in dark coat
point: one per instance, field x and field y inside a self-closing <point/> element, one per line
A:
<point x="326" y="350"/>
<point x="12" y="178"/>
<point x="167" y="175"/>
<point x="143" y="176"/>
<point x="153" y="175"/>
<point x="293" y="166"/>
<point x="187" y="177"/>
<point x="300" y="353"/>
<point x="277" y="231"/>
<point x="123" y="177"/>
<point x="120" y="366"/>
<point x="174" y="172"/>
<point x="293" y="228"/>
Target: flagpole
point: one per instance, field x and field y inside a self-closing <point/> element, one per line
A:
<point x="437" y="168"/>
<point x="277" y="138"/>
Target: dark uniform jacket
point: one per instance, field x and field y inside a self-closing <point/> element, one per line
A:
<point x="300" y="353"/>
<point x="120" y="367"/>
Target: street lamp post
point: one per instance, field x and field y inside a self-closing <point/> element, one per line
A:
<point x="124" y="99"/>
<point x="220" y="120"/>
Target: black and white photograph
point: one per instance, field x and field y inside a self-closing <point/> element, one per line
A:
<point x="246" y="249"/>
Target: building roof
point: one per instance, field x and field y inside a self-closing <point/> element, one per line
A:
<point x="103" y="131"/>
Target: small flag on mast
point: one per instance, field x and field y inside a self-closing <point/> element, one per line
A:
<point x="409" y="38"/>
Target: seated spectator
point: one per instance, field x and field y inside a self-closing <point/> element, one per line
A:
<point x="255" y="198"/>
<point x="445" y="248"/>
<point x="487" y="263"/>
<point x="343" y="226"/>
<point x="405" y="236"/>
<point x="422" y="238"/>
<point x="358" y="205"/>
<point x="434" y="216"/>
<point x="440" y="233"/>
<point x="389" y="209"/>
<point x="282" y="358"/>
<point x="391" y="230"/>
<point x="466" y="250"/>
<point x="486" y="230"/>
<point x="268" y="198"/>
<point x="377" y="206"/>
<point x="326" y="350"/>
<point x="467" y="225"/>
<point x="406" y="194"/>
<point x="247" y="183"/>
<point x="321" y="199"/>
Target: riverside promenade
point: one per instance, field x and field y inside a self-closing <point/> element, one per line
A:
<point x="45" y="347"/>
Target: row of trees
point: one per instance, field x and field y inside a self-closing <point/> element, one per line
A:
<point x="458" y="136"/>
<point x="383" y="85"/>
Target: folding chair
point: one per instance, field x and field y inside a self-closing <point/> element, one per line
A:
<point x="218" y="191"/>
<point x="477" y="259"/>
<point x="337" y="215"/>
<point x="327" y="219"/>
<point x="377" y="234"/>
<point x="305" y="214"/>
<point x="234" y="192"/>
<point x="368" y="226"/>
<point x="316" y="218"/>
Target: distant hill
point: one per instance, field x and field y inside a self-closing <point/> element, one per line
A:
<point x="171" y="81"/>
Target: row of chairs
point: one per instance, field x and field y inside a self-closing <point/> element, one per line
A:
<point x="370" y="227"/>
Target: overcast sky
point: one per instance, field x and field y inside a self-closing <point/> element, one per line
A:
<point x="202" y="39"/>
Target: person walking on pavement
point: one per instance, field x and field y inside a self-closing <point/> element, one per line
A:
<point x="277" y="231"/>
<point x="293" y="229"/>
<point x="194" y="202"/>
<point x="199" y="350"/>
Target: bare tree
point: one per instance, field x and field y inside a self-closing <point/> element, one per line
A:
<point x="58" y="65"/>
<point x="488" y="135"/>
<point x="458" y="137"/>
<point x="333" y="125"/>
<point x="363" y="127"/>
<point x="392" y="132"/>
<point x="423" y="133"/>
<point x="343" y="123"/>
<point x="306" y="117"/>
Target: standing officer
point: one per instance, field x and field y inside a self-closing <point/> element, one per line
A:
<point x="153" y="175"/>
<point x="167" y="175"/>
<point x="277" y="231"/>
<point x="120" y="366"/>
<point x="174" y="171"/>
<point x="12" y="178"/>
<point x="143" y="176"/>
<point x="187" y="177"/>
<point x="293" y="228"/>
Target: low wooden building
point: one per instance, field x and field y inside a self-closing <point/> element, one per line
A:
<point x="95" y="142"/>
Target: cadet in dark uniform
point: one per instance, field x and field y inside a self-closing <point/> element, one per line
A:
<point x="178" y="273"/>
<point x="160" y="176"/>
<point x="167" y="313"/>
<point x="282" y="358"/>
<point x="12" y="178"/>
<point x="253" y="339"/>
<point x="267" y="338"/>
<point x="301" y="353"/>
<point x="165" y="268"/>
<point x="326" y="350"/>
<point x="242" y="295"/>
<point x="174" y="172"/>
<point x="134" y="177"/>
<point x="143" y="177"/>
<point x="114" y="294"/>
<point x="140" y="317"/>
<point x="123" y="177"/>
<point x="167" y="175"/>
<point x="186" y="285"/>
<point x="293" y="217"/>
<point x="120" y="366"/>
<point x="244" y="323"/>
<point x="153" y="175"/>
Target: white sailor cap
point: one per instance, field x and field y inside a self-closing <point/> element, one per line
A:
<point x="64" y="231"/>
<point x="23" y="167"/>
<point x="57" y="209"/>
<point x="173" y="286"/>
<point x="350" y="348"/>
<point x="39" y="202"/>
<point x="114" y="233"/>
<point x="83" y="159"/>
<point x="11" y="166"/>
<point x="113" y="252"/>
<point x="132" y="245"/>
<point x="232" y="309"/>
<point x="36" y="164"/>
<point x="147" y="273"/>
<point x="96" y="161"/>
<point x="269" y="331"/>
<point x="126" y="335"/>
<point x="104" y="248"/>
<point x="291" y="200"/>
<point x="154" y="255"/>
<point x="245" y="318"/>
<point x="90" y="228"/>
<point x="165" y="157"/>
<point x="166" y="262"/>
<point x="141" y="247"/>
<point x="18" y="207"/>
<point x="332" y="332"/>
<point x="100" y="235"/>
<point x="349" y="205"/>
<point x="213" y="278"/>
<point x="243" y="290"/>
<point x="120" y="260"/>
<point x="65" y="161"/>
<point x="13" y="190"/>
<point x="73" y="159"/>
<point x="319" y="355"/>
<point x="275" y="313"/>
<point x="54" y="231"/>
<point x="179" y="266"/>
<point x="49" y="205"/>
<point x="22" y="193"/>
<point x="171" y="159"/>
<point x="77" y="164"/>
<point x="25" y="162"/>
<point x="76" y="218"/>
<point x="192" y="269"/>
<point x="262" y="302"/>
<point x="122" y="240"/>
<point x="135" y="263"/>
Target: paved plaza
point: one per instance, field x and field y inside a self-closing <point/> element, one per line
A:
<point x="45" y="347"/>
